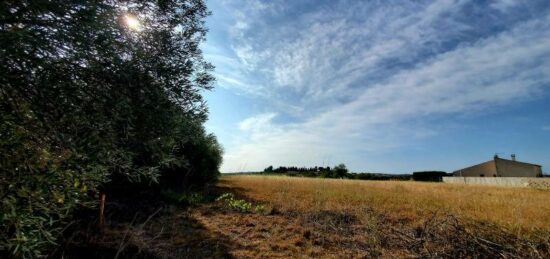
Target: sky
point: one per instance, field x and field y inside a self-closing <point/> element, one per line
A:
<point x="381" y="86"/>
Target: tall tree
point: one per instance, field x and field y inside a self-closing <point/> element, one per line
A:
<point x="92" y="91"/>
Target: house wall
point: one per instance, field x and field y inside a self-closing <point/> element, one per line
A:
<point x="486" y="169"/>
<point x="507" y="168"/>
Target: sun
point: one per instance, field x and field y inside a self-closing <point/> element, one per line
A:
<point x="132" y="22"/>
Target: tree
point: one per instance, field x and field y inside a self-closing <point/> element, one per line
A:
<point x="86" y="99"/>
<point x="340" y="171"/>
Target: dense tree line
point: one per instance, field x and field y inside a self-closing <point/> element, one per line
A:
<point x="282" y="169"/>
<point x="89" y="104"/>
<point x="339" y="171"/>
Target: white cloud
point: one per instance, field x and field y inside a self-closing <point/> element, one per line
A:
<point x="487" y="73"/>
<point x="248" y="57"/>
<point x="257" y="123"/>
<point x="546" y="127"/>
<point x="507" y="68"/>
<point x="358" y="77"/>
<point x="323" y="54"/>
<point x="224" y="80"/>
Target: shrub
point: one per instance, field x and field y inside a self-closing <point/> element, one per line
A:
<point x="240" y="205"/>
<point x="196" y="165"/>
<point x="183" y="198"/>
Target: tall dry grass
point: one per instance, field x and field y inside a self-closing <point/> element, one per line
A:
<point x="518" y="210"/>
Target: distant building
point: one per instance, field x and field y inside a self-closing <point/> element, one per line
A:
<point x="499" y="167"/>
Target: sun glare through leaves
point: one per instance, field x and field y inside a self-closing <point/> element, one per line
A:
<point x="132" y="22"/>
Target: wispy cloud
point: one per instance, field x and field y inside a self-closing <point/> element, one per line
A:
<point x="369" y="76"/>
<point x="258" y="124"/>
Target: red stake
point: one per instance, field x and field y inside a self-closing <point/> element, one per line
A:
<point x="101" y="210"/>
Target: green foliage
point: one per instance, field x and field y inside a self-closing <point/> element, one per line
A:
<point x="87" y="104"/>
<point x="226" y="196"/>
<point x="240" y="205"/>
<point x="183" y="198"/>
<point x="202" y="157"/>
<point x="339" y="171"/>
<point x="259" y="208"/>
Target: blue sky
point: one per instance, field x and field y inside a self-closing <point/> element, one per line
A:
<point x="382" y="86"/>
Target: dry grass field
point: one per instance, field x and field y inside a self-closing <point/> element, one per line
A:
<point x="288" y="217"/>
<point x="310" y="217"/>
<point x="518" y="210"/>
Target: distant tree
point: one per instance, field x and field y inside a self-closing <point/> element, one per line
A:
<point x="340" y="171"/>
<point x="269" y="169"/>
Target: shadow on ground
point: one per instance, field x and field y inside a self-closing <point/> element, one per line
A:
<point x="149" y="229"/>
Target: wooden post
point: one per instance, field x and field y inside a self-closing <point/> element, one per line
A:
<point x="101" y="211"/>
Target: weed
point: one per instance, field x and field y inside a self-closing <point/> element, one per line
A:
<point x="183" y="198"/>
<point x="259" y="209"/>
<point x="240" y="205"/>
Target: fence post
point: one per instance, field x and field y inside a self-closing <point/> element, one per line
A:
<point x="101" y="211"/>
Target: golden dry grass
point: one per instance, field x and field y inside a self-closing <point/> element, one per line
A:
<point x="518" y="210"/>
<point x="332" y="218"/>
<point x="328" y="218"/>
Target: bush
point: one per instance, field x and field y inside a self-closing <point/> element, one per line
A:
<point x="183" y="198"/>
<point x="240" y="205"/>
<point x="197" y="164"/>
<point x="40" y="187"/>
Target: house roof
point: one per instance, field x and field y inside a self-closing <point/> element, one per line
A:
<point x="515" y="161"/>
<point x="457" y="171"/>
<point x="494" y="160"/>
